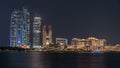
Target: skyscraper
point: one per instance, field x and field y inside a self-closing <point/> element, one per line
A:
<point x="20" y="28"/>
<point x="50" y="34"/>
<point x="46" y="36"/>
<point x="36" y="32"/>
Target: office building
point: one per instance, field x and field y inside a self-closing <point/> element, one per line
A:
<point x="50" y="34"/>
<point x="46" y="36"/>
<point x="36" y="32"/>
<point x="20" y="28"/>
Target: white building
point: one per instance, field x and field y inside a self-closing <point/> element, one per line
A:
<point x="62" y="41"/>
<point x="36" y="32"/>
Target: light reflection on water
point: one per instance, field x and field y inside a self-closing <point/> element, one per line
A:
<point x="38" y="60"/>
<point x="51" y="60"/>
<point x="92" y="61"/>
<point x="35" y="60"/>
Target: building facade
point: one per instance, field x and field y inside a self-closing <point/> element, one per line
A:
<point x="36" y="32"/>
<point x="62" y="41"/>
<point x="46" y="36"/>
<point x="90" y="41"/>
<point x="20" y="28"/>
<point x="79" y="42"/>
<point x="96" y="42"/>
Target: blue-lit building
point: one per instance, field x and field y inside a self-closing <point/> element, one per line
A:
<point x="36" y="32"/>
<point x="20" y="28"/>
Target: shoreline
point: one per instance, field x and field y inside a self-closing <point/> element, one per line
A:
<point x="59" y="51"/>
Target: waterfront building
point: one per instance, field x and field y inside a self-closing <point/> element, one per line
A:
<point x="20" y="28"/>
<point x="46" y="36"/>
<point x="49" y="34"/>
<point x="90" y="41"/>
<point x="36" y="32"/>
<point x="62" y="41"/>
<point x="79" y="42"/>
<point x="96" y="42"/>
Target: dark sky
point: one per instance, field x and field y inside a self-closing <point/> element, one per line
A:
<point x="69" y="18"/>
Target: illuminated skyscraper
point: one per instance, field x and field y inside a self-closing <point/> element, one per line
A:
<point x="36" y="32"/>
<point x="50" y="34"/>
<point x="20" y="28"/>
<point x="46" y="36"/>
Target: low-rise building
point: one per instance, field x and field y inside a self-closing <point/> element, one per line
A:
<point x="90" y="42"/>
<point x="62" y="41"/>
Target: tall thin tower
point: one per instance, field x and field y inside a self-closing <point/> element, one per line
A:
<point x="50" y="34"/>
<point x="36" y="32"/>
<point x="44" y="36"/>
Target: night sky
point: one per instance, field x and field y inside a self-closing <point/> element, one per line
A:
<point x="68" y="18"/>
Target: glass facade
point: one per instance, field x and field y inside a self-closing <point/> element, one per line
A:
<point x="36" y="32"/>
<point x="20" y="28"/>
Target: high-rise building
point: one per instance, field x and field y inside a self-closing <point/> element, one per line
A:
<point x="20" y="28"/>
<point x="36" y="32"/>
<point x="46" y="36"/>
<point x="50" y="34"/>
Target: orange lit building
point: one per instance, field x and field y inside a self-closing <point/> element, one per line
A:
<point x="90" y="41"/>
<point x="46" y="36"/>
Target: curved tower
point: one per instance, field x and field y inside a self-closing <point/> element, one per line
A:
<point x="46" y="36"/>
<point x="50" y="34"/>
<point x="20" y="28"/>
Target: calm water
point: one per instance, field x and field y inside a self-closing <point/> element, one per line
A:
<point x="58" y="60"/>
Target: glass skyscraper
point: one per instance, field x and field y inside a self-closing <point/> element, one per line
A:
<point x="20" y="28"/>
<point x="36" y="32"/>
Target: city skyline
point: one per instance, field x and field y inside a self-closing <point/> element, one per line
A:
<point x="69" y="18"/>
